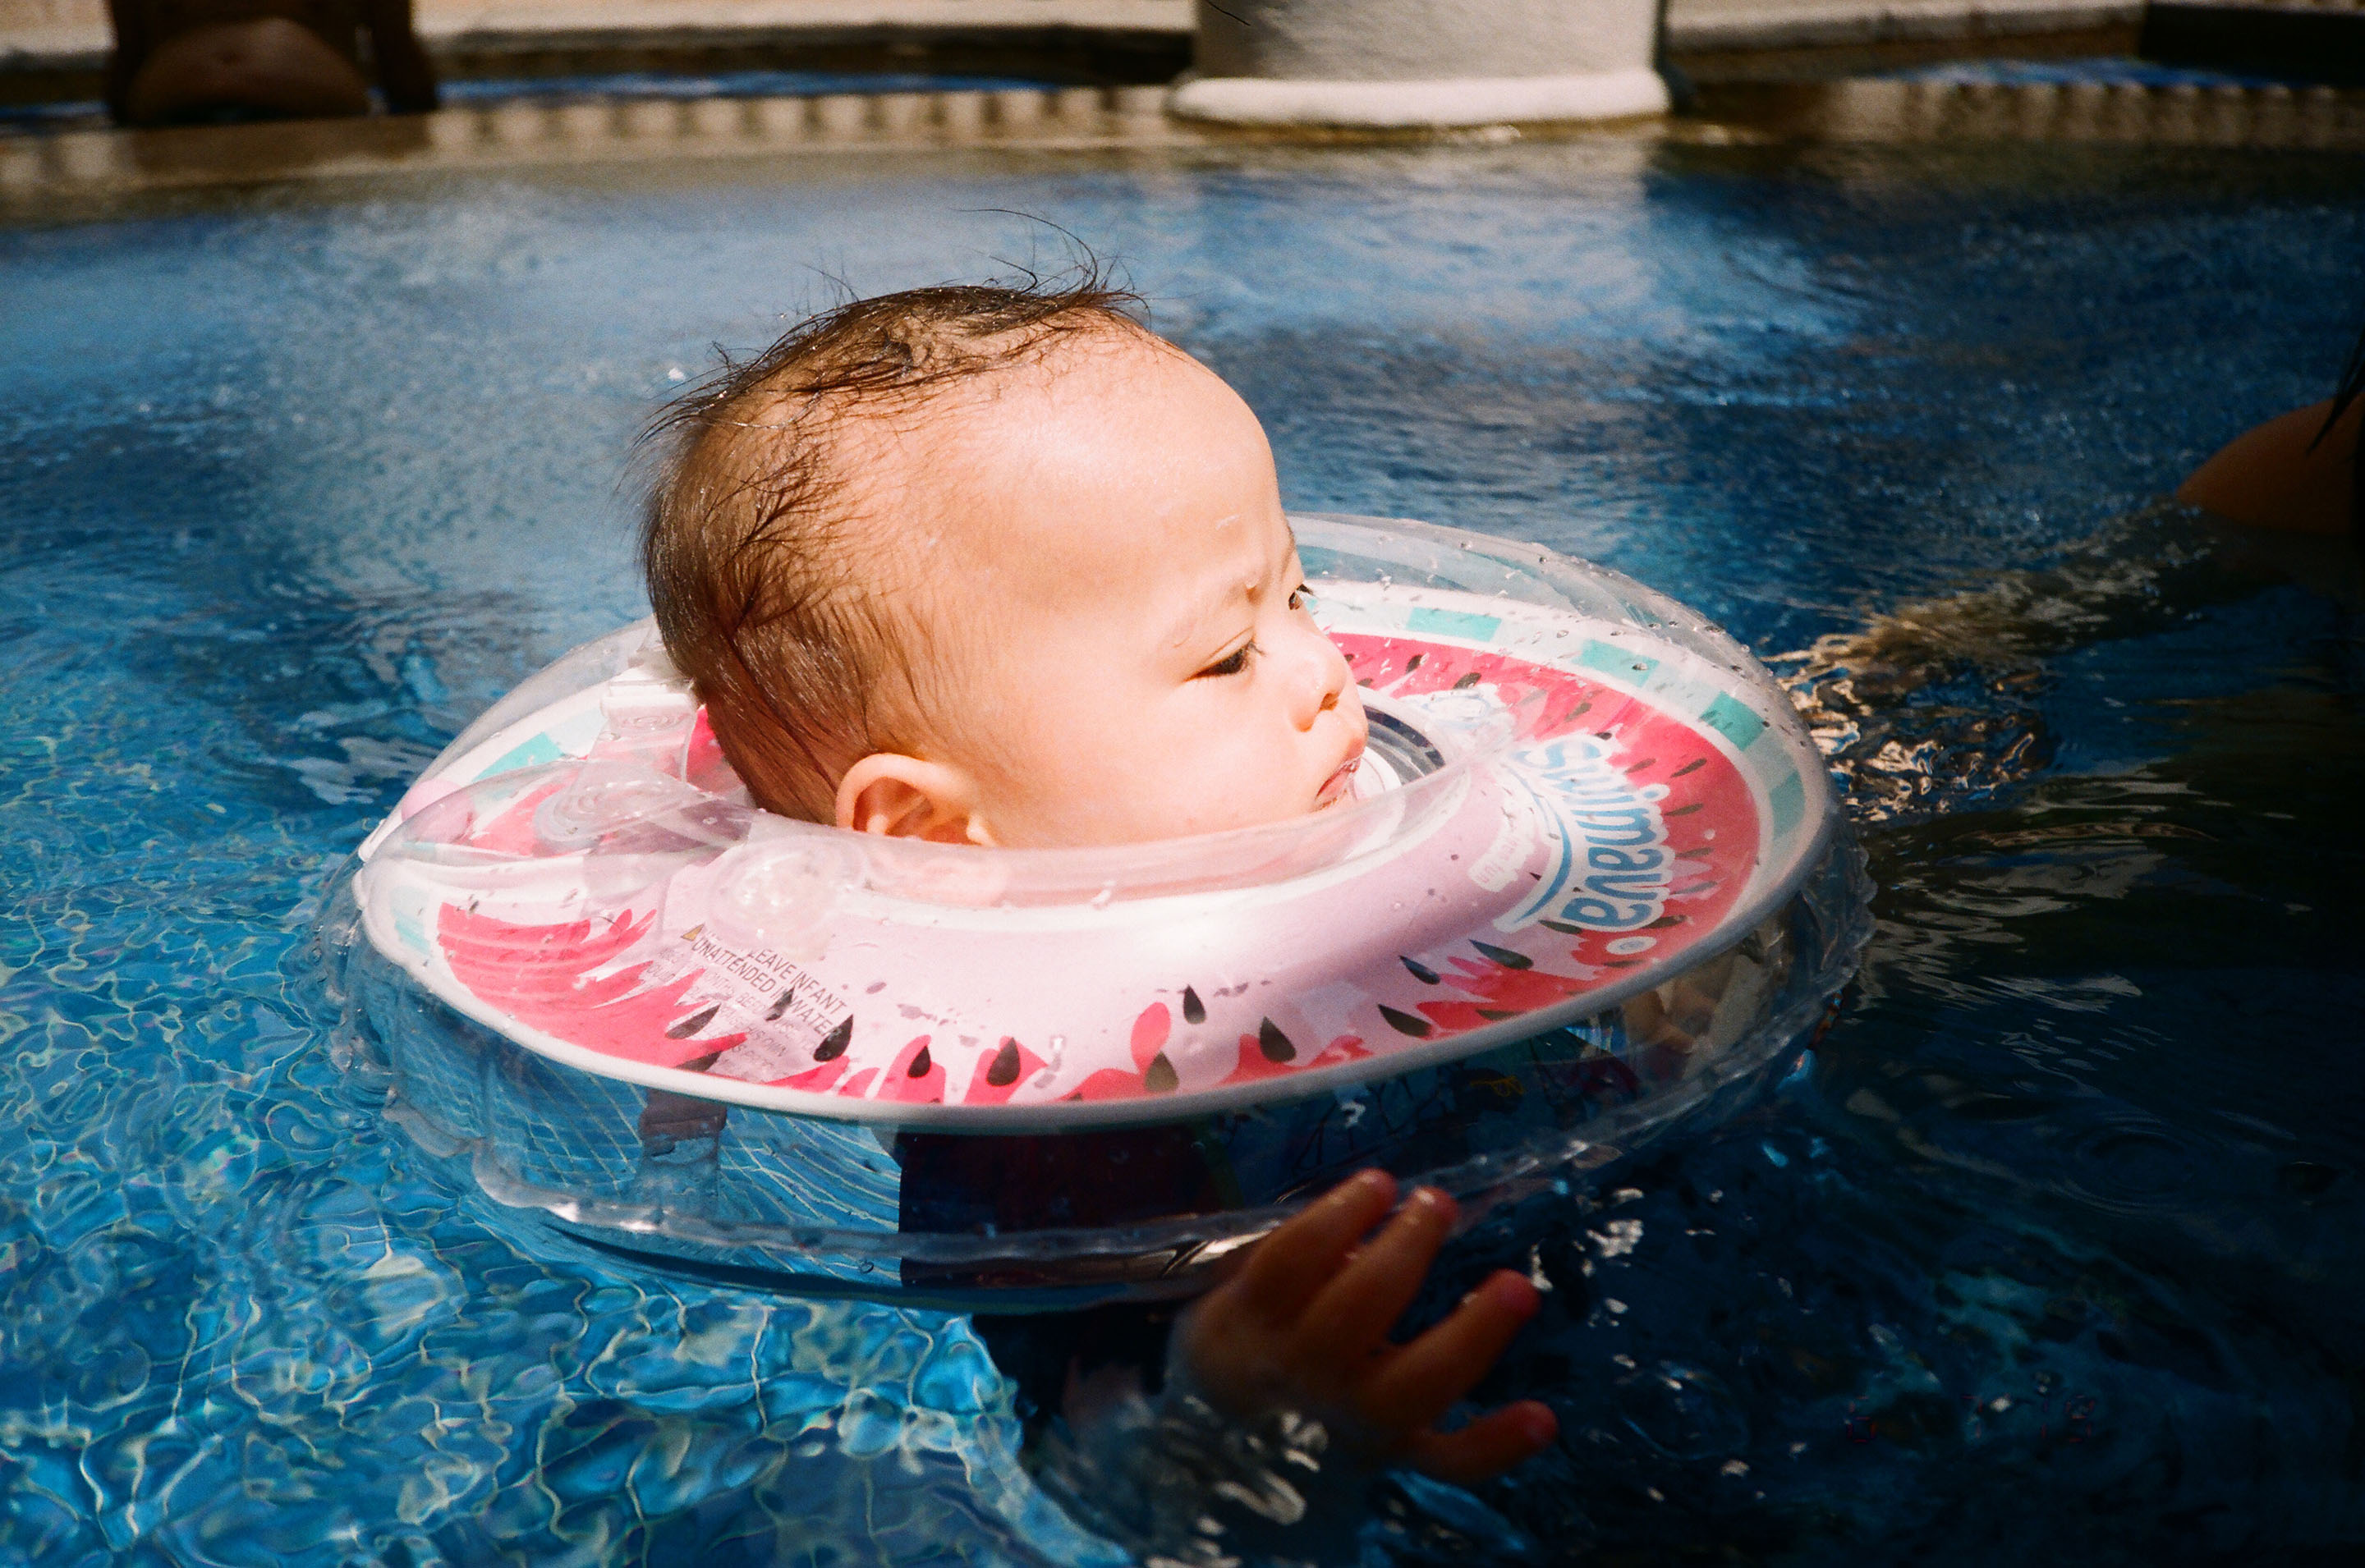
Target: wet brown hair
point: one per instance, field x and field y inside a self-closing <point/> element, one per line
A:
<point x="758" y="592"/>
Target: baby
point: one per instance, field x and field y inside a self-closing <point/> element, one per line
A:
<point x="999" y="566"/>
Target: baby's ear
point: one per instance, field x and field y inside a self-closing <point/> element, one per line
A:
<point x="902" y="797"/>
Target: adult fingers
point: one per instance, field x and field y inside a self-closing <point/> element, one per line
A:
<point x="1421" y="1381"/>
<point x="1293" y="1263"/>
<point x="1487" y="1446"/>
<point x="1363" y="1301"/>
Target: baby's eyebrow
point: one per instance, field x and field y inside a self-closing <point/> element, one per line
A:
<point x="1210" y="606"/>
<point x="1203" y="610"/>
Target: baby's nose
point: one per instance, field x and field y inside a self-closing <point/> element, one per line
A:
<point x="1322" y="678"/>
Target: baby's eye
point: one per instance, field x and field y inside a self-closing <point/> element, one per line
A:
<point x="1300" y="597"/>
<point x="1232" y="663"/>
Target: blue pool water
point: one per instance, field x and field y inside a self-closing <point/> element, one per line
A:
<point x="2051" y="1252"/>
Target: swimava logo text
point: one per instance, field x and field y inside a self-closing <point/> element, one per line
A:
<point x="1615" y="866"/>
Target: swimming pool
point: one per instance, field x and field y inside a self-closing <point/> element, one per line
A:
<point x="2052" y="1250"/>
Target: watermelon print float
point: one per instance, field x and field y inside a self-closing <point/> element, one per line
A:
<point x="1592" y="884"/>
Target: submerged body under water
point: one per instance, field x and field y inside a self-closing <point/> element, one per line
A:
<point x="2051" y="1249"/>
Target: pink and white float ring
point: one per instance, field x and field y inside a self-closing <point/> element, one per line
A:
<point x="1577" y="793"/>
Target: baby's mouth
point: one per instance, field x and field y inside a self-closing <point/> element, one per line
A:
<point x="1341" y="783"/>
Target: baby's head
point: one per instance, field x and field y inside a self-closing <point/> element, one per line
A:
<point x="999" y="566"/>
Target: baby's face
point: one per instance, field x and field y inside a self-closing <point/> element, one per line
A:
<point x="1116" y="618"/>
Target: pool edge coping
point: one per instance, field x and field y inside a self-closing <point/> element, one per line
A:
<point x="40" y="171"/>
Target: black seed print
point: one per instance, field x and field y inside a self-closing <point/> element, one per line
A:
<point x="920" y="1065"/>
<point x="1413" y="663"/>
<point x="1193" y="1010"/>
<point x="1418" y="970"/>
<point x="1694" y="765"/>
<point x="693" y="1024"/>
<point x="1161" y="1078"/>
<point x="839" y="1038"/>
<point x="1406" y="1024"/>
<point x="1563" y="926"/>
<point x="1664" y="922"/>
<point x="782" y="1005"/>
<point x="1646" y="762"/>
<point x="1273" y="1043"/>
<point x="1497" y="1015"/>
<point x="1365" y="683"/>
<point x="1504" y="956"/>
<point x="1683" y="811"/>
<point x="1466" y="682"/>
<point x="1004" y="1073"/>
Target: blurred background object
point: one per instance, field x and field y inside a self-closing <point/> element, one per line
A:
<point x="2323" y="42"/>
<point x="55" y="54"/>
<point x="1414" y="63"/>
<point x="179" y="61"/>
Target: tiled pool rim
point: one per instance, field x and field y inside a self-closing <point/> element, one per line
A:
<point x="36" y="171"/>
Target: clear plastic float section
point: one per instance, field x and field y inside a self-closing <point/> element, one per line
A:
<point x="1592" y="887"/>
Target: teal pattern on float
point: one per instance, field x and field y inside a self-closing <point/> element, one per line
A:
<point x="1734" y="720"/>
<point x="1455" y="624"/>
<point x="1786" y="802"/>
<point x="533" y="753"/>
<point x="1610" y="659"/>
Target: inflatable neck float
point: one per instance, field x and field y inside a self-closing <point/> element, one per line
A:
<point x="1592" y="884"/>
